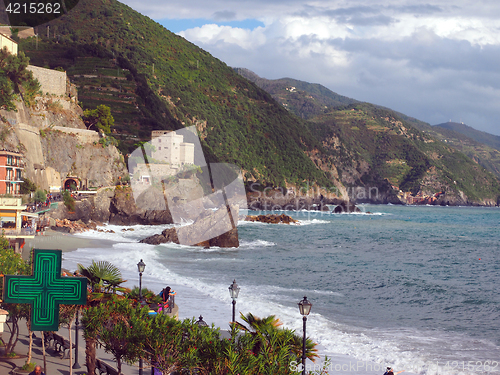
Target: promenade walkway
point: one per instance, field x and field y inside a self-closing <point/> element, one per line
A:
<point x="55" y="364"/>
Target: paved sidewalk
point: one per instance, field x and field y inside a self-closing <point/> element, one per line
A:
<point x="55" y="364"/>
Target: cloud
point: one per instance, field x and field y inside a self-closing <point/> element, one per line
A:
<point x="224" y="15"/>
<point x="212" y="34"/>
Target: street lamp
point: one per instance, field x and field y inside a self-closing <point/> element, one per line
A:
<point x="76" y="365"/>
<point x="305" y="309"/>
<point x="201" y="322"/>
<point x="234" y="289"/>
<point x="140" y="267"/>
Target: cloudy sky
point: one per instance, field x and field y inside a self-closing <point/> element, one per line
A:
<point x="436" y="60"/>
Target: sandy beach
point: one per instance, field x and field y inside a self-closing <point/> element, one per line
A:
<point x="63" y="241"/>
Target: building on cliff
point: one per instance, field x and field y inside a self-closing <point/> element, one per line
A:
<point x="11" y="167"/>
<point x="167" y="156"/>
<point x="10" y="43"/>
<point x="170" y="147"/>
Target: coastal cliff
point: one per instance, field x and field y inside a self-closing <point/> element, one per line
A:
<point x="114" y="205"/>
<point x="56" y="145"/>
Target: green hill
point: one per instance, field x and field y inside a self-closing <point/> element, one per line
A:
<point x="154" y="79"/>
<point x="377" y="146"/>
<point x="304" y="99"/>
<point x="488" y="139"/>
<point x="402" y="162"/>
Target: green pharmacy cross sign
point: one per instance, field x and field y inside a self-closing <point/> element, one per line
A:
<point x="45" y="290"/>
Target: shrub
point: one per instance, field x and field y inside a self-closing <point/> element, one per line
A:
<point x="40" y="196"/>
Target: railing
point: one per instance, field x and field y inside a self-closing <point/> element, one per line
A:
<point x="171" y="304"/>
<point x="19" y="232"/>
<point x="13" y="178"/>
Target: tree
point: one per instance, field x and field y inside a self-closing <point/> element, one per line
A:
<point x="147" y="295"/>
<point x="184" y="347"/>
<point x="27" y="186"/>
<point x="103" y="276"/>
<point x="99" y="274"/>
<point x="13" y="264"/>
<point x="40" y="196"/>
<point x="67" y="315"/>
<point x="69" y="201"/>
<point x="262" y="329"/>
<point x="15" y="78"/>
<point x="119" y="327"/>
<point x="100" y="118"/>
<point x="6" y="97"/>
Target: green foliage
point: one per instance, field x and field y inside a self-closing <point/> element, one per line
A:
<point x="128" y="332"/>
<point x="28" y="367"/>
<point x="69" y="201"/>
<point x="240" y="123"/>
<point x="40" y="196"/>
<point x="27" y="186"/>
<point x="103" y="276"/>
<point x="13" y="264"/>
<point x="148" y="296"/>
<point x="108" y="140"/>
<point x="119" y="327"/>
<point x="16" y="79"/>
<point x="6" y="93"/>
<point x="395" y="153"/>
<point x="100" y="118"/>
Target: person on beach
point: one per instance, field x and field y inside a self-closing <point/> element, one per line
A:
<point x="390" y="371"/>
<point x="37" y="371"/>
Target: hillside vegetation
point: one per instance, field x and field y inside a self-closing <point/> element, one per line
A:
<point x="154" y="79"/>
<point x="375" y="146"/>
<point x="161" y="81"/>
<point x="378" y="147"/>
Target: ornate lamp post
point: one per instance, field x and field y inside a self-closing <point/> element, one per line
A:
<point x="305" y="309"/>
<point x="76" y="365"/>
<point x="140" y="267"/>
<point x="234" y="289"/>
<point x="201" y="322"/>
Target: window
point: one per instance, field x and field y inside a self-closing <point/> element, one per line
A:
<point x="159" y="148"/>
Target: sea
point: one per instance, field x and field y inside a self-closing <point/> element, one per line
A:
<point x="415" y="288"/>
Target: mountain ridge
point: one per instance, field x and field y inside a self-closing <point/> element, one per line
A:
<point x="177" y="84"/>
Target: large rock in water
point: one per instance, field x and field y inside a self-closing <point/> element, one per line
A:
<point x="346" y="207"/>
<point x="272" y="219"/>
<point x="200" y="232"/>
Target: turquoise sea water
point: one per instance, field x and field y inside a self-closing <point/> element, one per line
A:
<point x="416" y="287"/>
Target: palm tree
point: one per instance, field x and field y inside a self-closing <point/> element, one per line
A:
<point x="261" y="330"/>
<point x="104" y="277"/>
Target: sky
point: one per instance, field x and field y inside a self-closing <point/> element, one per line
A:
<point x="435" y="61"/>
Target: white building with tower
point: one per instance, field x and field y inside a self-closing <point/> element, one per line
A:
<point x="170" y="147"/>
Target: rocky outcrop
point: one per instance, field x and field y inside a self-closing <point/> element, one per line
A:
<point x="346" y="207"/>
<point x="51" y="155"/>
<point x="228" y="239"/>
<point x="272" y="219"/>
<point x="125" y="210"/>
<point x="201" y="232"/>
<point x="68" y="226"/>
<point x="116" y="205"/>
